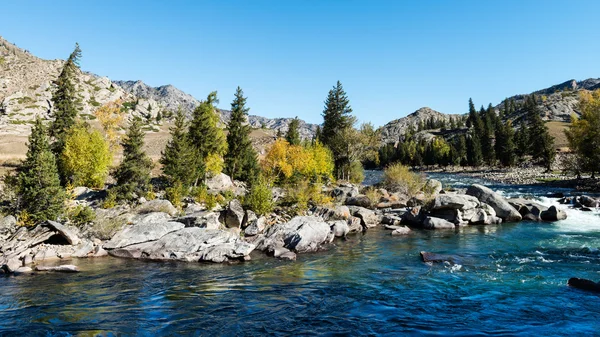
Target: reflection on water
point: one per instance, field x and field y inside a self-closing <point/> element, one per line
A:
<point x="511" y="279"/>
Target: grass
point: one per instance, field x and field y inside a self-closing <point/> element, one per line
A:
<point x="557" y="130"/>
<point x="547" y="180"/>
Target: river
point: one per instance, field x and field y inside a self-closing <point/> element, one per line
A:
<point x="510" y="280"/>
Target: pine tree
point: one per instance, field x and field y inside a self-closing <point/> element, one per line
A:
<point x="487" y="139"/>
<point x="293" y="135"/>
<point x="337" y="120"/>
<point x="522" y="144"/>
<point x="39" y="189"/>
<point x="179" y="158"/>
<point x="133" y="174"/>
<point x="64" y="104"/>
<point x="240" y="160"/>
<point x="460" y="151"/>
<point x="205" y="135"/>
<point x="505" y="146"/>
<point x="474" y="155"/>
<point x="541" y="142"/>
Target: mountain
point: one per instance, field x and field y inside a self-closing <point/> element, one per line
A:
<point x="26" y="92"/>
<point x="391" y="132"/>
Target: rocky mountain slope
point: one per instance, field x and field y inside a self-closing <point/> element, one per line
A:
<point x="26" y="92"/>
<point x="392" y="131"/>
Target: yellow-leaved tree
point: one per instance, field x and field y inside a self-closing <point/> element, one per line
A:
<point x="86" y="157"/>
<point x="287" y="163"/>
<point x="111" y="117"/>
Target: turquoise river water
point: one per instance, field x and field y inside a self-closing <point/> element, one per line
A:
<point x="510" y="280"/>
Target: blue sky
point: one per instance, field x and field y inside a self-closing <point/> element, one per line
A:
<point x="392" y="57"/>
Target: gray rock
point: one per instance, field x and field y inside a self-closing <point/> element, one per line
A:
<point x="433" y="187"/>
<point x="23" y="270"/>
<point x="359" y="200"/>
<point x="234" y="216"/>
<point x="301" y="234"/>
<point x="342" y="192"/>
<point x="198" y="244"/>
<point x="414" y="216"/>
<point x="339" y="228"/>
<point x="66" y="268"/>
<point x="249" y="217"/>
<point x="62" y="230"/>
<point x="157" y="205"/>
<point x="437" y="223"/>
<point x="391" y="219"/>
<point x="368" y="218"/>
<point x="209" y="220"/>
<point x="140" y="233"/>
<point x="454" y="201"/>
<point x="503" y="209"/>
<point x="479" y="218"/>
<point x="99" y="252"/>
<point x="219" y="183"/>
<point x="8" y="224"/>
<point x="355" y="225"/>
<point x="152" y="217"/>
<point x="401" y="231"/>
<point x="333" y="213"/>
<point x="553" y="214"/>
<point x="588" y="201"/>
<point x="256" y="227"/>
<point x="86" y="248"/>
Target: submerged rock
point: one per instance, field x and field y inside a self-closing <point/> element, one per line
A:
<point x="433" y="257"/>
<point x="66" y="268"/>
<point x="584" y="284"/>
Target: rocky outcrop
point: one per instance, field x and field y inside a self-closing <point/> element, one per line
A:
<point x="234" y="215"/>
<point x="157" y="205"/>
<point x="301" y="234"/>
<point x="392" y="131"/>
<point x="141" y="233"/>
<point x="437" y="223"/>
<point x="503" y="209"/>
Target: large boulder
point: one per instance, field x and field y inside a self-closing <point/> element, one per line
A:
<point x="256" y="226"/>
<point x="209" y="220"/>
<point x="234" y="215"/>
<point x="344" y="191"/>
<point x="437" y="223"/>
<point x="157" y="205"/>
<point x="454" y="201"/>
<point x="584" y="284"/>
<point x="503" y="209"/>
<point x="529" y="209"/>
<point x="360" y="200"/>
<point x="339" y="228"/>
<point x="332" y="213"/>
<point x="220" y="183"/>
<point x="414" y="217"/>
<point x="432" y="187"/>
<point x="553" y="214"/>
<point x="198" y="244"/>
<point x="8" y="224"/>
<point x="368" y="218"/>
<point x="301" y="234"/>
<point x="588" y="201"/>
<point x="141" y="233"/>
<point x="63" y="231"/>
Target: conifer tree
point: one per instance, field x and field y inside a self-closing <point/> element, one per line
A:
<point x="460" y="151"/>
<point x="487" y="141"/>
<point x="179" y="158"/>
<point x="240" y="161"/>
<point x="293" y="135"/>
<point x="39" y="189"/>
<point x="133" y="174"/>
<point x="505" y="146"/>
<point x="64" y="104"/>
<point x="205" y="135"/>
<point x="474" y="155"/>
<point x="541" y="142"/>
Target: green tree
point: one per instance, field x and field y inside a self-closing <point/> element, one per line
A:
<point x="64" y="104"/>
<point x="337" y="120"/>
<point x="133" y="174"/>
<point x="240" y="161"/>
<point x="584" y="134"/>
<point x="86" y="157"/>
<point x="487" y="139"/>
<point x="179" y="160"/>
<point x="474" y="156"/>
<point x="541" y="142"/>
<point x="293" y="135"/>
<point x="505" y="146"/>
<point x="39" y="191"/>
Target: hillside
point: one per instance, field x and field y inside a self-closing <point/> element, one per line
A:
<point x="392" y="131"/>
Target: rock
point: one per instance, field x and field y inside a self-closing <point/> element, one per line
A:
<point x="454" y="201"/>
<point x="99" y="252"/>
<point x="301" y="234"/>
<point x="234" y="215"/>
<point x="152" y="217"/>
<point x="553" y="214"/>
<point x="437" y="223"/>
<point x="23" y="270"/>
<point x="249" y="217"/>
<point x="45" y="254"/>
<point x="401" y="231"/>
<point x="219" y="183"/>
<point x="140" y="233"/>
<point x="342" y="192"/>
<point x="389" y="219"/>
<point x="66" y="268"/>
<point x="583" y="284"/>
<point x="359" y="200"/>
<point x="417" y="200"/>
<point x="529" y="209"/>
<point x="157" y="205"/>
<point x="503" y="209"/>
<point x="256" y="227"/>
<point x="432" y="187"/>
<point x="433" y="257"/>
<point x="8" y="224"/>
<point x="332" y="213"/>
<point x="480" y="218"/>
<point x="414" y="216"/>
<point x="209" y="220"/>
<point x="63" y="231"/>
<point x="198" y="244"/>
<point x="454" y="216"/>
<point x="290" y="256"/>
<point x="339" y="228"/>
<point x="368" y="218"/>
<point x="588" y="201"/>
<point x="85" y="249"/>
<point x="194" y="208"/>
<point x="355" y="225"/>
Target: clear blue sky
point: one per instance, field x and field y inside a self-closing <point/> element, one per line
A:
<point x="392" y="57"/>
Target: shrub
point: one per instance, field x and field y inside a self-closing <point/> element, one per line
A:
<point x="398" y="178"/>
<point x="25" y="219"/>
<point x="86" y="157"/>
<point x="304" y="193"/>
<point x="175" y="194"/>
<point x="82" y="215"/>
<point x="260" y="197"/>
<point x="111" y="199"/>
<point x="290" y="163"/>
<point x="373" y="195"/>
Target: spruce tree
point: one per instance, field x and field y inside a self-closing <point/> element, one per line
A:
<point x="178" y="158"/>
<point x="205" y="135"/>
<point x="460" y="151"/>
<point x="505" y="146"/>
<point x="474" y="155"/>
<point x="337" y="119"/>
<point x="39" y="189"/>
<point x="240" y="159"/>
<point x="293" y="135"/>
<point x="133" y="174"/>
<point x="64" y="103"/>
<point x="487" y="141"/>
<point x="541" y="142"/>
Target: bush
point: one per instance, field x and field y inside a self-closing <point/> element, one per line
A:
<point x="304" y="193"/>
<point x="86" y="157"/>
<point x="111" y="200"/>
<point x="82" y="215"/>
<point x="287" y="163"/>
<point x="25" y="219"/>
<point x="175" y="194"/>
<point x="398" y="178"/>
<point x="260" y="197"/>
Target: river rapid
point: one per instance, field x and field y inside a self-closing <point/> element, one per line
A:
<point x="510" y="280"/>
